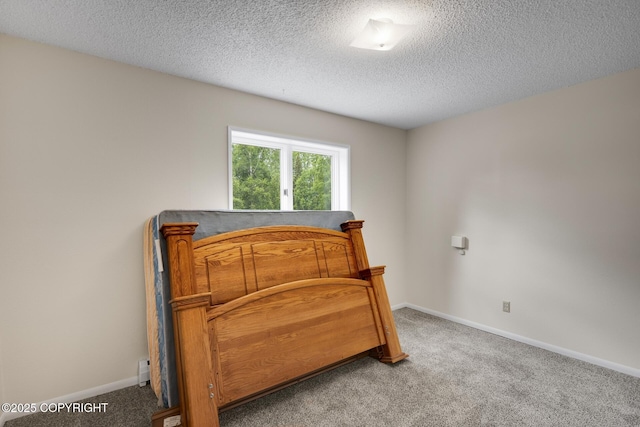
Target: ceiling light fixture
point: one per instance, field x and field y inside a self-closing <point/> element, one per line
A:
<point x="381" y="34"/>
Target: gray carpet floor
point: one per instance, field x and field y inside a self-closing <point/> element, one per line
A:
<point x="455" y="376"/>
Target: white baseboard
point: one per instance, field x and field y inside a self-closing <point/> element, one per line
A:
<point x="74" y="397"/>
<point x="560" y="350"/>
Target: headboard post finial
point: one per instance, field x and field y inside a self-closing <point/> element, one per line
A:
<point x="351" y="224"/>
<point x="179" y="229"/>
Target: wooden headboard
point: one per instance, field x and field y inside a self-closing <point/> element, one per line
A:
<point x="238" y="263"/>
<point x="255" y="310"/>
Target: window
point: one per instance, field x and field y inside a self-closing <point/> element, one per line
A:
<point x="279" y="173"/>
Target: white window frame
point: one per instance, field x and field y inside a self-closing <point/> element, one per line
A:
<point x="340" y="180"/>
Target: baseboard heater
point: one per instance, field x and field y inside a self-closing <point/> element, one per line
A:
<point x="143" y="372"/>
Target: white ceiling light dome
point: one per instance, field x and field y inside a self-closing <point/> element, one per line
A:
<point x="381" y="34"/>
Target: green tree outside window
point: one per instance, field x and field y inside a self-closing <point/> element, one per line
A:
<point x="256" y="179"/>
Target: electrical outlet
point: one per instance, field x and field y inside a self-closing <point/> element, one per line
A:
<point x="506" y="306"/>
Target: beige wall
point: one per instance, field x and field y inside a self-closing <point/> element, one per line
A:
<point x="89" y="150"/>
<point x="548" y="192"/>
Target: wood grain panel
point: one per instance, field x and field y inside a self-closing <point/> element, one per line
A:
<point x="287" y="261"/>
<point x="337" y="259"/>
<point x="284" y="335"/>
<point x="225" y="275"/>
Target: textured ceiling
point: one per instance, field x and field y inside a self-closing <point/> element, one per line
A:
<point x="464" y="55"/>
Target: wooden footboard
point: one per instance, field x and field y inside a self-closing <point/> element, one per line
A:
<point x="257" y="309"/>
<point x="282" y="333"/>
